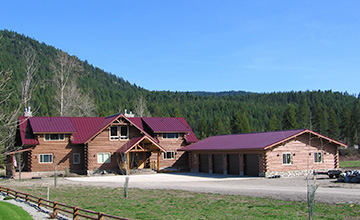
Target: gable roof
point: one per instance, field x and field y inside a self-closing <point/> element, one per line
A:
<point x="51" y="125"/>
<point x="263" y="140"/>
<point x="135" y="141"/>
<point x="83" y="129"/>
<point x="165" y="125"/>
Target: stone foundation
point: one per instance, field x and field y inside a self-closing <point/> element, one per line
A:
<point x="292" y="173"/>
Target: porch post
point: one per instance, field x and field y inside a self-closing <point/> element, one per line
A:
<point x="127" y="163"/>
<point x="158" y="162"/>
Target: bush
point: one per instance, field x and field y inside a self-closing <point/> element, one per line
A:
<point x="8" y="198"/>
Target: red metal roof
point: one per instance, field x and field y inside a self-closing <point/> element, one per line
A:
<point x="85" y="128"/>
<point x="136" y="140"/>
<point x="51" y="125"/>
<point x="165" y="125"/>
<point x="190" y="136"/>
<point x="26" y="139"/>
<point x="244" y="141"/>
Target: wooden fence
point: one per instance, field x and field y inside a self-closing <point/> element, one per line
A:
<point x="56" y="207"/>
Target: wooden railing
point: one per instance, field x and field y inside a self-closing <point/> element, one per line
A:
<point x="56" y="207"/>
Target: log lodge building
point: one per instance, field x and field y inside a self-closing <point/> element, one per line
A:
<point x="123" y="143"/>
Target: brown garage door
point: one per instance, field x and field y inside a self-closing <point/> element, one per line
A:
<point x="251" y="165"/>
<point x="204" y="163"/>
<point x="218" y="165"/>
<point x="233" y="164"/>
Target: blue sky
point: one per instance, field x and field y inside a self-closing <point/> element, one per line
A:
<point x="204" y="45"/>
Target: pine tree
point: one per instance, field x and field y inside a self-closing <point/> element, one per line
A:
<point x="273" y="124"/>
<point x="289" y="118"/>
<point x="304" y="112"/>
<point x="333" y="126"/>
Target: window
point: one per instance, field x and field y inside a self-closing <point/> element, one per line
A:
<point x="169" y="155"/>
<point x="76" y="158"/>
<point x="103" y="158"/>
<point x="317" y="157"/>
<point x="114" y="133"/>
<point x="124" y="132"/>
<point x="115" y="130"/>
<point x="171" y="135"/>
<point x="45" y="158"/>
<point x="54" y="137"/>
<point x="287" y="158"/>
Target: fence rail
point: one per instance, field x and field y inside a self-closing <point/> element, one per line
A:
<point x="56" y="207"/>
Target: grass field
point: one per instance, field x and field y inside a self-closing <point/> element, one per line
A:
<point x="350" y="164"/>
<point x="170" y="204"/>
<point x="10" y="211"/>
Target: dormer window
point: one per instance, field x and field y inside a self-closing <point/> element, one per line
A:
<point x="119" y="132"/>
<point x="54" y="137"/>
<point x="171" y="135"/>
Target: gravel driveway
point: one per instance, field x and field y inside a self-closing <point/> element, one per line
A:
<point x="294" y="188"/>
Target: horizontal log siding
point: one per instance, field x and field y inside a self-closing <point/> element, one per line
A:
<point x="102" y="144"/>
<point x="172" y="145"/>
<point x="302" y="156"/>
<point x="62" y="155"/>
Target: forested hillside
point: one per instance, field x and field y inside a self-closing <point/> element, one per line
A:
<point x="330" y="113"/>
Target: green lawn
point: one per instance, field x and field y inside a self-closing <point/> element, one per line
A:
<point x="172" y="204"/>
<point x="10" y="211"/>
<point x="350" y="164"/>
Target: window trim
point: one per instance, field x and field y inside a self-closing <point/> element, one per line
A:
<point x="316" y="156"/>
<point x="49" y="137"/>
<point x="114" y="138"/>
<point x="172" y="155"/>
<point x="288" y="157"/>
<point x="166" y="136"/>
<point x="41" y="157"/>
<point x="118" y="133"/>
<point x="127" y="132"/>
<point x="79" y="156"/>
<point x="108" y="160"/>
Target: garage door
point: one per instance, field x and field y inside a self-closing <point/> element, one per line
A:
<point x="251" y="165"/>
<point x="204" y="163"/>
<point x="218" y="165"/>
<point x="233" y="164"/>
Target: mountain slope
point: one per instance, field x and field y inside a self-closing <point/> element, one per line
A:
<point x="208" y="113"/>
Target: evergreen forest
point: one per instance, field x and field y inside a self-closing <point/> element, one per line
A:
<point x="334" y="114"/>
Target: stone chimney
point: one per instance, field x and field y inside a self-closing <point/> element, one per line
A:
<point x="28" y="112"/>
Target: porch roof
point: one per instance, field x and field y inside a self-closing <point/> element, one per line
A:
<point x="135" y="141"/>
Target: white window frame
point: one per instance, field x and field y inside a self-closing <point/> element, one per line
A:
<point x="116" y="137"/>
<point x="41" y="158"/>
<point x="288" y="159"/>
<point x="166" y="136"/>
<point x="169" y="157"/>
<point x="47" y="137"/>
<point x="118" y="133"/>
<point x="102" y="159"/>
<point x="127" y="132"/>
<point x="316" y="157"/>
<point x="76" y="155"/>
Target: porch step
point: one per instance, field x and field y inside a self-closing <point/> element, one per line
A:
<point x="142" y="171"/>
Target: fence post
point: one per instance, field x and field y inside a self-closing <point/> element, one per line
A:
<point x="8" y="191"/>
<point x="27" y="197"/>
<point x="16" y="194"/>
<point x="76" y="213"/>
<point x="39" y="202"/>
<point x="0" y="188"/>
<point x="55" y="208"/>
<point x="101" y="216"/>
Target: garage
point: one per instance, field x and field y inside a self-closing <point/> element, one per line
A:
<point x="204" y="163"/>
<point x="218" y="164"/>
<point x="251" y="164"/>
<point x="233" y="164"/>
